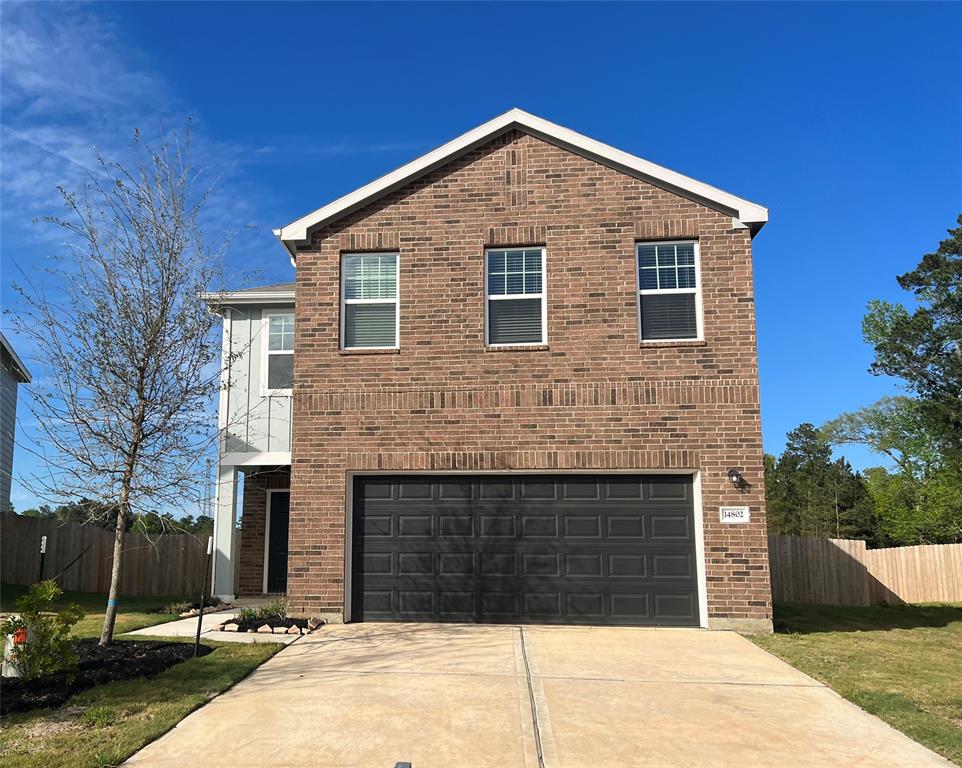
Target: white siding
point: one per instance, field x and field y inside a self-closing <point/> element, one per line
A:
<point x="254" y="423"/>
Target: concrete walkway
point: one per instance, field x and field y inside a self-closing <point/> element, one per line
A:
<point x="188" y="628"/>
<point x="373" y="695"/>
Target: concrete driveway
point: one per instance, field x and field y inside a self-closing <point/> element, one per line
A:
<point x="373" y="695"/>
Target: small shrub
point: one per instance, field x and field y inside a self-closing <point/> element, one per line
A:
<point x="182" y="606"/>
<point x="49" y="648"/>
<point x="275" y="609"/>
<point x="177" y="608"/>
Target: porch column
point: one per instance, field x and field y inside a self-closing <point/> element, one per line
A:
<point x="225" y="525"/>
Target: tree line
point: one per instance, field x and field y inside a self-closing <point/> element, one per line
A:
<point x="917" y="498"/>
<point x="102" y="514"/>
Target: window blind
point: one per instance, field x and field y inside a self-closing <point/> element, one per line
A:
<point x="514" y="322"/>
<point x="668" y="316"/>
<point x="370" y="325"/>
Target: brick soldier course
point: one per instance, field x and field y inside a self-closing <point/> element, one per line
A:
<point x="592" y="398"/>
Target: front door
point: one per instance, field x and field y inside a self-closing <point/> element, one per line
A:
<point x="280" y="504"/>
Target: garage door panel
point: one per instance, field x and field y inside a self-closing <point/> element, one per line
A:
<point x="580" y="488"/>
<point x="677" y="526"/>
<point x="542" y="604"/>
<point x="456" y="564"/>
<point x="582" y="526"/>
<point x="416" y="526"/>
<point x="498" y="526"/>
<point x="539" y="526"/>
<point x="626" y="527"/>
<point x="541" y="564"/>
<point x="575" y="549"/>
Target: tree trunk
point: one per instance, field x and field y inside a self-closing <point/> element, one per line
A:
<point x="120" y="529"/>
<point x="113" y="596"/>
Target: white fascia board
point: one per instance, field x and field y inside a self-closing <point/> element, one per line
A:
<point x="21" y="371"/>
<point x="751" y="214"/>
<point x="247" y="297"/>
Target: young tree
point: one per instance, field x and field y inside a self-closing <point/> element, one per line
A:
<point x="131" y="358"/>
<point x="924" y="347"/>
<point x="920" y="502"/>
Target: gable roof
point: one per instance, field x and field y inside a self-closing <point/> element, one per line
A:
<point x="16" y="364"/>
<point x="748" y="213"/>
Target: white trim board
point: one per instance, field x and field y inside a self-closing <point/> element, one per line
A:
<point x="256" y="459"/>
<point x="745" y="212"/>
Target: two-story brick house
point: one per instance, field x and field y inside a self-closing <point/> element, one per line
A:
<point x="515" y="380"/>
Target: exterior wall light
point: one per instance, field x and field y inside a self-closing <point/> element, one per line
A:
<point x="736" y="479"/>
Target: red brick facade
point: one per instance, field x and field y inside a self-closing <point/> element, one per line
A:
<point x="592" y="398"/>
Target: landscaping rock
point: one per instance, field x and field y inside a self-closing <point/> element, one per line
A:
<point x="294" y="631"/>
<point x="313" y="624"/>
<point x="264" y="629"/>
<point x="219" y="628"/>
<point x="187" y="614"/>
<point x="231" y="627"/>
<point x="280" y="630"/>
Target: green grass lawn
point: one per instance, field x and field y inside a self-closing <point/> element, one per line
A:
<point x="901" y="663"/>
<point x="131" y="613"/>
<point x="105" y="725"/>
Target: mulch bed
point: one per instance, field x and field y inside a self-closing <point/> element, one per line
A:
<point x="121" y="660"/>
<point x="248" y="626"/>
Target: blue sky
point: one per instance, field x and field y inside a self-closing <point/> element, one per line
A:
<point x="844" y="119"/>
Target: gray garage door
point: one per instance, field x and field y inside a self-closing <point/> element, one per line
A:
<point x="558" y="549"/>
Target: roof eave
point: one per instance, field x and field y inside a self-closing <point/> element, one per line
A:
<point x="230" y="298"/>
<point x="23" y="374"/>
<point x="751" y="214"/>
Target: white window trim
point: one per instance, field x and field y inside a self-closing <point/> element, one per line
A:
<point x="396" y="300"/>
<point x="266" y="316"/>
<point x="543" y="296"/>
<point x="699" y="318"/>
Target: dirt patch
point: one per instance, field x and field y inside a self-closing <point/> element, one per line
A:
<point x="121" y="660"/>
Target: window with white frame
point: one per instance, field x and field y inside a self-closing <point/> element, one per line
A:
<point x="668" y="291"/>
<point x="369" y="301"/>
<point x="516" y="312"/>
<point x="279" y="363"/>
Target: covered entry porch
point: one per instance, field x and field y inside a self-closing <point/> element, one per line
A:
<point x="251" y="549"/>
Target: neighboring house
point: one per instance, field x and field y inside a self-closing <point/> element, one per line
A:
<point x="525" y="384"/>
<point x="12" y="373"/>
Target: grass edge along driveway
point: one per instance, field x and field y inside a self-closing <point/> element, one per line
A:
<point x="107" y="724"/>
<point x="899" y="663"/>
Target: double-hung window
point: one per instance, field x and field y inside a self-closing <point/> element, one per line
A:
<point x="369" y="301"/>
<point x="515" y="300"/>
<point x="668" y="301"/>
<point x="279" y="359"/>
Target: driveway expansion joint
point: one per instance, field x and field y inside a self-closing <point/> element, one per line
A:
<point x="534" y="706"/>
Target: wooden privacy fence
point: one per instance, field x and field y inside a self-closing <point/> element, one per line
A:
<point x="154" y="565"/>
<point x="845" y="572"/>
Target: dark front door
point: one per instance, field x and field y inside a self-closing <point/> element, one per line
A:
<point x="556" y="549"/>
<point x="280" y="505"/>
